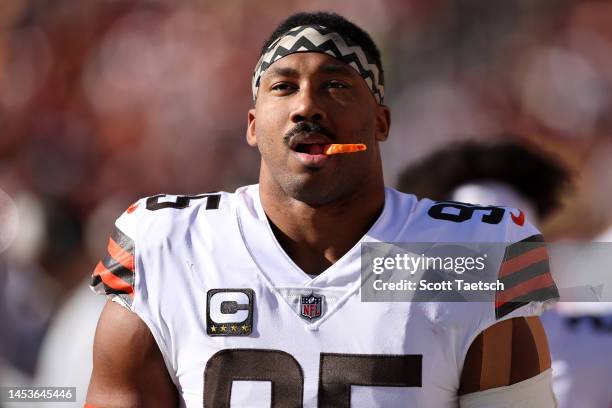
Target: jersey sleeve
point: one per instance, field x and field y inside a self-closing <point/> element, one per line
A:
<point x="114" y="275"/>
<point x="120" y="274"/>
<point x="526" y="281"/>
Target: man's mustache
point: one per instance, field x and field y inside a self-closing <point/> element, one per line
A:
<point x="305" y="128"/>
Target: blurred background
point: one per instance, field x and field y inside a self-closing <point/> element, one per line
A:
<point x="106" y="101"/>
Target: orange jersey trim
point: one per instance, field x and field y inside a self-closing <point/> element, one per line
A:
<point x="120" y="255"/>
<point x="524" y="288"/>
<point x="112" y="281"/>
<point x="522" y="261"/>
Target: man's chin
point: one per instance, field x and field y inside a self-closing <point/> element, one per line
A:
<point x="312" y="189"/>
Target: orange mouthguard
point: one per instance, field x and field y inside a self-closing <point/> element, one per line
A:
<point x="343" y="148"/>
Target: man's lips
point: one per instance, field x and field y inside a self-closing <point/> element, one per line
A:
<point x="308" y="148"/>
<point x="312" y="160"/>
<point x="313" y="148"/>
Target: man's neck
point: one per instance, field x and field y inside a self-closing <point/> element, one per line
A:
<point x="315" y="237"/>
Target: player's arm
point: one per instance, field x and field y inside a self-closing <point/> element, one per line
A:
<point x="128" y="368"/>
<point x="508" y="365"/>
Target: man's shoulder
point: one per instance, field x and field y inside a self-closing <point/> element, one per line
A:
<point x="160" y="227"/>
<point x="517" y="255"/>
<point x="163" y="215"/>
<point x="458" y="221"/>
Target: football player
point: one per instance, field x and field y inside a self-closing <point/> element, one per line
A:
<point x="579" y="332"/>
<point x="252" y="299"/>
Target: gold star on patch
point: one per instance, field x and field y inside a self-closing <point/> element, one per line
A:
<point x="223" y="328"/>
<point x="244" y="328"/>
<point x="234" y="327"/>
<point x="213" y="328"/>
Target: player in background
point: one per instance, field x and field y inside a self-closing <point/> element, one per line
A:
<point x="252" y="298"/>
<point x="510" y="174"/>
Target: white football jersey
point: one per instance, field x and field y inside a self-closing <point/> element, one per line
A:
<point x="239" y="324"/>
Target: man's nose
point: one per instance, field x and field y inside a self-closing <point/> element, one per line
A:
<point x="308" y="106"/>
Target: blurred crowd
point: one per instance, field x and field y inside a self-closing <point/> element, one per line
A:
<point x="106" y="101"/>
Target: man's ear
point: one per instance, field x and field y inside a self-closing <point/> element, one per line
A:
<point x="383" y="122"/>
<point x="250" y="133"/>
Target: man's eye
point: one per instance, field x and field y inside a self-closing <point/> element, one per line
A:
<point x="336" y="84"/>
<point x="282" y="86"/>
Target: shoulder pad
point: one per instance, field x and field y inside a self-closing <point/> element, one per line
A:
<point x="114" y="275"/>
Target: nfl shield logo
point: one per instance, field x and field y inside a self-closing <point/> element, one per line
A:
<point x="310" y="306"/>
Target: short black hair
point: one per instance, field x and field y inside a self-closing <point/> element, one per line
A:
<point x="334" y="22"/>
<point x="538" y="176"/>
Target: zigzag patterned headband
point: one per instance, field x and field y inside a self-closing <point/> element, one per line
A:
<point x="315" y="38"/>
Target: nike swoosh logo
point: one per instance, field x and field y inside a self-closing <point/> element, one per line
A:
<point x="133" y="207"/>
<point x="518" y="219"/>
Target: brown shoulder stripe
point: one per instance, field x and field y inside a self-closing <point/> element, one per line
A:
<point x="114" y="275"/>
<point x="518" y="263"/>
<point x="523" y="289"/>
<point x="113" y="284"/>
<point x="524" y="245"/>
<point x="540" y="295"/>
<point x="525" y="274"/>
